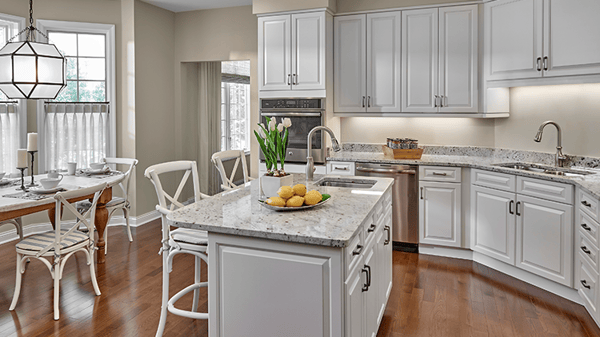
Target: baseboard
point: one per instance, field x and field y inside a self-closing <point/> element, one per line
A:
<point x="116" y="220"/>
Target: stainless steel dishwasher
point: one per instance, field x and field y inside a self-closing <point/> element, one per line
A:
<point x="405" y="201"/>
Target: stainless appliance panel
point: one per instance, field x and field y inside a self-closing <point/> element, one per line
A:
<point x="405" y="199"/>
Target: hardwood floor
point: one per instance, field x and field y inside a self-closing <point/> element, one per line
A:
<point x="432" y="296"/>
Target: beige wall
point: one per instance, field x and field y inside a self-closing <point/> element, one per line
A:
<point x="575" y="107"/>
<point x="344" y="6"/>
<point x="213" y="35"/>
<point x="274" y="6"/>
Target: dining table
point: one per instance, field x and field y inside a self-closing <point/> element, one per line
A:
<point x="15" y="203"/>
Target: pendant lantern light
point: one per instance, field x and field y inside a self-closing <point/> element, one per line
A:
<point x="30" y="69"/>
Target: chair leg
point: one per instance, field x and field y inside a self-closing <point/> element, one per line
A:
<point x="20" y="227"/>
<point x="93" y="271"/>
<point x="165" y="295"/>
<point x="56" y="291"/>
<point x="13" y="304"/>
<point x="106" y="240"/>
<point x="197" y="280"/>
<point x="126" y="215"/>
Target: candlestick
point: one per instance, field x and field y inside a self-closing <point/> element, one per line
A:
<point x="32" y="142"/>
<point x="23" y="188"/>
<point x="32" y="160"/>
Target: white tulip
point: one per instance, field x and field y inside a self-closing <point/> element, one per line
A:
<point x="272" y="125"/>
<point x="280" y="127"/>
<point x="261" y="133"/>
<point x="287" y="122"/>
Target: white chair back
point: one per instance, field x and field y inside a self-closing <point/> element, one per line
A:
<point x="131" y="164"/>
<point x="219" y="157"/>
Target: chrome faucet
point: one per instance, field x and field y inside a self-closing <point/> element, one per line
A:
<point x="560" y="157"/>
<point x="310" y="163"/>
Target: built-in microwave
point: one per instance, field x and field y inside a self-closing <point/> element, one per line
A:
<point x="305" y="114"/>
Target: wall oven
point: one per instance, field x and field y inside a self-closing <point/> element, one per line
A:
<point x="305" y="114"/>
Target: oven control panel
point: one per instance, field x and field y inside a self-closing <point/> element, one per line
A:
<point x="294" y="103"/>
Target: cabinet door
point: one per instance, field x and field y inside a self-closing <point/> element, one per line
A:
<point x="355" y="304"/>
<point x="513" y="41"/>
<point x="350" y="63"/>
<point x="384" y="258"/>
<point x="420" y="60"/>
<point x="571" y="37"/>
<point x="493" y="223"/>
<point x="544" y="238"/>
<point x="440" y="214"/>
<point x="372" y="294"/>
<point x="308" y="51"/>
<point x="458" y="59"/>
<point x="383" y="62"/>
<point x="274" y="52"/>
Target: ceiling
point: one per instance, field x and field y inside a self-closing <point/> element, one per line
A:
<point x="192" y="5"/>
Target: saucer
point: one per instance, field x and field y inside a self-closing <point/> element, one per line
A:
<point x="41" y="190"/>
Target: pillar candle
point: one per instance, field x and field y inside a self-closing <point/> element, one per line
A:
<point x="21" y="158"/>
<point x="32" y="142"/>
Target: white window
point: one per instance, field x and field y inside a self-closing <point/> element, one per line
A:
<point x="79" y="125"/>
<point x="235" y="105"/>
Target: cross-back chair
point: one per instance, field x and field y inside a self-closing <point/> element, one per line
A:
<point x="219" y="157"/>
<point x="54" y="248"/>
<point x="18" y="225"/>
<point x="179" y="241"/>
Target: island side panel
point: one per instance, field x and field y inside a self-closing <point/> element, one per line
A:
<point x="264" y="287"/>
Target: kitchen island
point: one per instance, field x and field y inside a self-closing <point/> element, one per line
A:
<point x="319" y="272"/>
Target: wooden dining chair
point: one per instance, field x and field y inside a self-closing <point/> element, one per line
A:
<point x="178" y="241"/>
<point x="117" y="203"/>
<point x="18" y="223"/>
<point x="54" y="248"/>
<point x="219" y="157"/>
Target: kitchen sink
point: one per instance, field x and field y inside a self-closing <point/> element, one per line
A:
<point x="346" y="182"/>
<point x="552" y="170"/>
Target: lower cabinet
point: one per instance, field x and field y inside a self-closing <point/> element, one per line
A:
<point x="440" y="213"/>
<point x="355" y="301"/>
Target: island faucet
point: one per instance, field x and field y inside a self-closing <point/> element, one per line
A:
<point x="310" y="163"/>
<point x="560" y="159"/>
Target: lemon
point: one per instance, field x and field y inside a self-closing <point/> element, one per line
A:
<point x="285" y="192"/>
<point x="276" y="201"/>
<point x="295" y="201"/>
<point x="313" y="197"/>
<point x="299" y="189"/>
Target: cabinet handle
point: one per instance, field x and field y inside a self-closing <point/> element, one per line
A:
<point x="443" y="174"/>
<point x="371" y="228"/>
<point x="585" y="250"/>
<point x="295" y="79"/>
<point x="586" y="204"/>
<point x="586" y="227"/>
<point x="546" y="63"/>
<point x="445" y="101"/>
<point x="421" y="193"/>
<point x="340" y="168"/>
<point x="368" y="101"/>
<point x="435" y="104"/>
<point x="363" y="101"/>
<point x="584" y="284"/>
<point x="357" y="250"/>
<point x="510" y="207"/>
<point x="387" y="240"/>
<point x="368" y="278"/>
<point x="539" y="64"/>
<point x="289" y="79"/>
<point x="517" y="208"/>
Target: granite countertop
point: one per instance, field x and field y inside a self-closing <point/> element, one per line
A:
<point x="238" y="212"/>
<point x="481" y="158"/>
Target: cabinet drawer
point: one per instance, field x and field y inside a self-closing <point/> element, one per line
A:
<point x="440" y="173"/>
<point x="354" y="251"/>
<point x="544" y="189"/>
<point x="587" y="250"/>
<point x="370" y="226"/>
<point x="499" y="181"/>
<point x="588" y="226"/>
<point x="588" y="204"/>
<point x="340" y="168"/>
<point x="586" y="283"/>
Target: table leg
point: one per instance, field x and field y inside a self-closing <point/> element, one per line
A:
<point x="101" y="222"/>
<point x="52" y="215"/>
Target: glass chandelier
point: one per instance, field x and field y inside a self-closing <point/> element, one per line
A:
<point x="30" y="69"/>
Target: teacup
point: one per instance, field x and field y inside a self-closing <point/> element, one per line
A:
<point x="97" y="166"/>
<point x="50" y="183"/>
<point x="2" y="175"/>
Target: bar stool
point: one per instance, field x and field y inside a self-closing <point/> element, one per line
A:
<point x="219" y="157"/>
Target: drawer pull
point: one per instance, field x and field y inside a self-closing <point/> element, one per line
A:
<point x="357" y="250"/>
<point x="340" y="168"/>
<point x="387" y="240"/>
<point x="367" y="270"/>
<point x="421" y="193"/>
<point x="586" y="204"/>
<point x="586" y="227"/>
<point x="510" y="207"/>
<point x="585" y="250"/>
<point x="517" y="208"/>
<point x="585" y="285"/>
<point x="371" y="228"/>
<point x="443" y="174"/>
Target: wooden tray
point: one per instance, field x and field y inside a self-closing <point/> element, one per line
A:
<point x="402" y="153"/>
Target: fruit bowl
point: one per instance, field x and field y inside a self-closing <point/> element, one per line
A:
<point x="326" y="198"/>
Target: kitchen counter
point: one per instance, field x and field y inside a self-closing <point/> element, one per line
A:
<point x="238" y="212"/>
<point x="480" y="158"/>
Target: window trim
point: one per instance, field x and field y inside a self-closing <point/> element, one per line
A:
<point x="111" y="78"/>
<point x="228" y="120"/>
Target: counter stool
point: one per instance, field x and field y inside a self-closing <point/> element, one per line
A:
<point x="18" y="226"/>
<point x="219" y="157"/>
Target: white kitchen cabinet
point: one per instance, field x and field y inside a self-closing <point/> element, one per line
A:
<point x="440" y="213"/>
<point x="355" y="301"/>
<point x="440" y="60"/>
<point x="292" y="52"/>
<point x="545" y="238"/>
<point x="350" y="65"/>
<point x="372" y="300"/>
<point x="384" y="244"/>
<point x="341" y="168"/>
<point x="493" y="221"/>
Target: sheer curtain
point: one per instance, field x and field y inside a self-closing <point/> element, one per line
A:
<point x="9" y="137"/>
<point x="75" y="132"/>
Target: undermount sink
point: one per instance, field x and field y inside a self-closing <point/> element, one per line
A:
<point x="346" y="182"/>
<point x="552" y="170"/>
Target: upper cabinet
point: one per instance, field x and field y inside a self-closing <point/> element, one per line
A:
<point x="367" y="63"/>
<point x="541" y="38"/>
<point x="292" y="52"/>
<point x="440" y="60"/>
